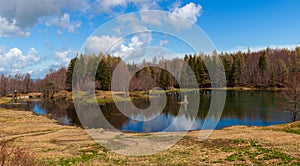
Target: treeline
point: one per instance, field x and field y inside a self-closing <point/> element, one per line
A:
<point x="53" y="82"/>
<point x="19" y="82"/>
<point x="263" y="69"/>
<point x="268" y="68"/>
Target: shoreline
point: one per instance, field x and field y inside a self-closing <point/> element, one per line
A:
<point x="189" y="131"/>
<point x="105" y="97"/>
<point x="133" y="132"/>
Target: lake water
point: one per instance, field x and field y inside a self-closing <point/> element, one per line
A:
<point x="251" y="108"/>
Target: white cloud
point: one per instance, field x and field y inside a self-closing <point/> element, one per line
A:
<point x="96" y="44"/>
<point x="180" y="17"/>
<point x="63" y="22"/>
<point x="133" y="48"/>
<point x="133" y="23"/>
<point x="163" y="42"/>
<point x="154" y="19"/>
<point x="134" y="45"/>
<point x="146" y="4"/>
<point x="190" y="11"/>
<point x="117" y="46"/>
<point x="33" y="55"/>
<point x="259" y="48"/>
<point x="64" y="56"/>
<point x="17" y="16"/>
<point x="108" y="6"/>
<point x="11" y="29"/>
<point x="14" y="60"/>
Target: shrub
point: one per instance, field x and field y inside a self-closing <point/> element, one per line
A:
<point x="14" y="156"/>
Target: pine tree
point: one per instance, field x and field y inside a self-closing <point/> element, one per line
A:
<point x="164" y="80"/>
<point x="263" y="64"/>
<point x="70" y="73"/>
<point x="234" y="76"/>
<point x="103" y="75"/>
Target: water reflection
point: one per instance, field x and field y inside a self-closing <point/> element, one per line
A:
<point x="60" y="110"/>
<point x="253" y="108"/>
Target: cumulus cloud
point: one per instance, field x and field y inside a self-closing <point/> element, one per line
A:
<point x="18" y="15"/>
<point x="146" y="4"/>
<point x="126" y="50"/>
<point x="108" y="6"/>
<point x="190" y="11"/>
<point x="154" y="19"/>
<point x="14" y="60"/>
<point x="11" y="29"/>
<point x="96" y="44"/>
<point x="117" y="46"/>
<point x="64" y="56"/>
<point x="64" y="23"/>
<point x="180" y="17"/>
<point x="163" y="42"/>
<point x="33" y="55"/>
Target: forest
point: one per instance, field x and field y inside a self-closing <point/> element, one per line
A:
<point x="269" y="68"/>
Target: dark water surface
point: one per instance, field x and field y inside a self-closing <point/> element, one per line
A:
<point x="251" y="108"/>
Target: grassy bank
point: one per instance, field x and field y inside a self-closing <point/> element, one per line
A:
<point x="53" y="144"/>
<point x="105" y="97"/>
<point x="4" y="100"/>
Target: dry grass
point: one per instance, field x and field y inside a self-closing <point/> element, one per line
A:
<point x="15" y="156"/>
<point x="53" y="144"/>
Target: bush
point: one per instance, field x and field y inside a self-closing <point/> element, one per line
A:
<point x="14" y="156"/>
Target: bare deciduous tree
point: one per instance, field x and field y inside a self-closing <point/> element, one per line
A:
<point x="291" y="96"/>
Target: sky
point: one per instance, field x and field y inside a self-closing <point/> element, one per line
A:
<point x="39" y="35"/>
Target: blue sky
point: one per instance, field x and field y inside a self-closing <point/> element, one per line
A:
<point x="36" y="35"/>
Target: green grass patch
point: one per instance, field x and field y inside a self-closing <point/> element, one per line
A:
<point x="49" y="150"/>
<point x="235" y="157"/>
<point x="83" y="157"/>
<point x="238" y="141"/>
<point x="293" y="128"/>
<point x="5" y="100"/>
<point x="257" y="153"/>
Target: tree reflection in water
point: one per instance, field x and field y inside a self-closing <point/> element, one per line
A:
<point x="253" y="108"/>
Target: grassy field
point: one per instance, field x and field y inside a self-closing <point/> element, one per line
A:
<point x="53" y="144"/>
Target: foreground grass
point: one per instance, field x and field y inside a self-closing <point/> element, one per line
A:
<point x="53" y="144"/>
<point x="11" y="155"/>
<point x="191" y="152"/>
<point x="289" y="128"/>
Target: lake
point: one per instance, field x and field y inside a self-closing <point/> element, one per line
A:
<point x="251" y="108"/>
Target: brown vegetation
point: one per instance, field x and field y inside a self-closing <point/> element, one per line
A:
<point x="15" y="156"/>
<point x="53" y="144"/>
<point x="291" y="96"/>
